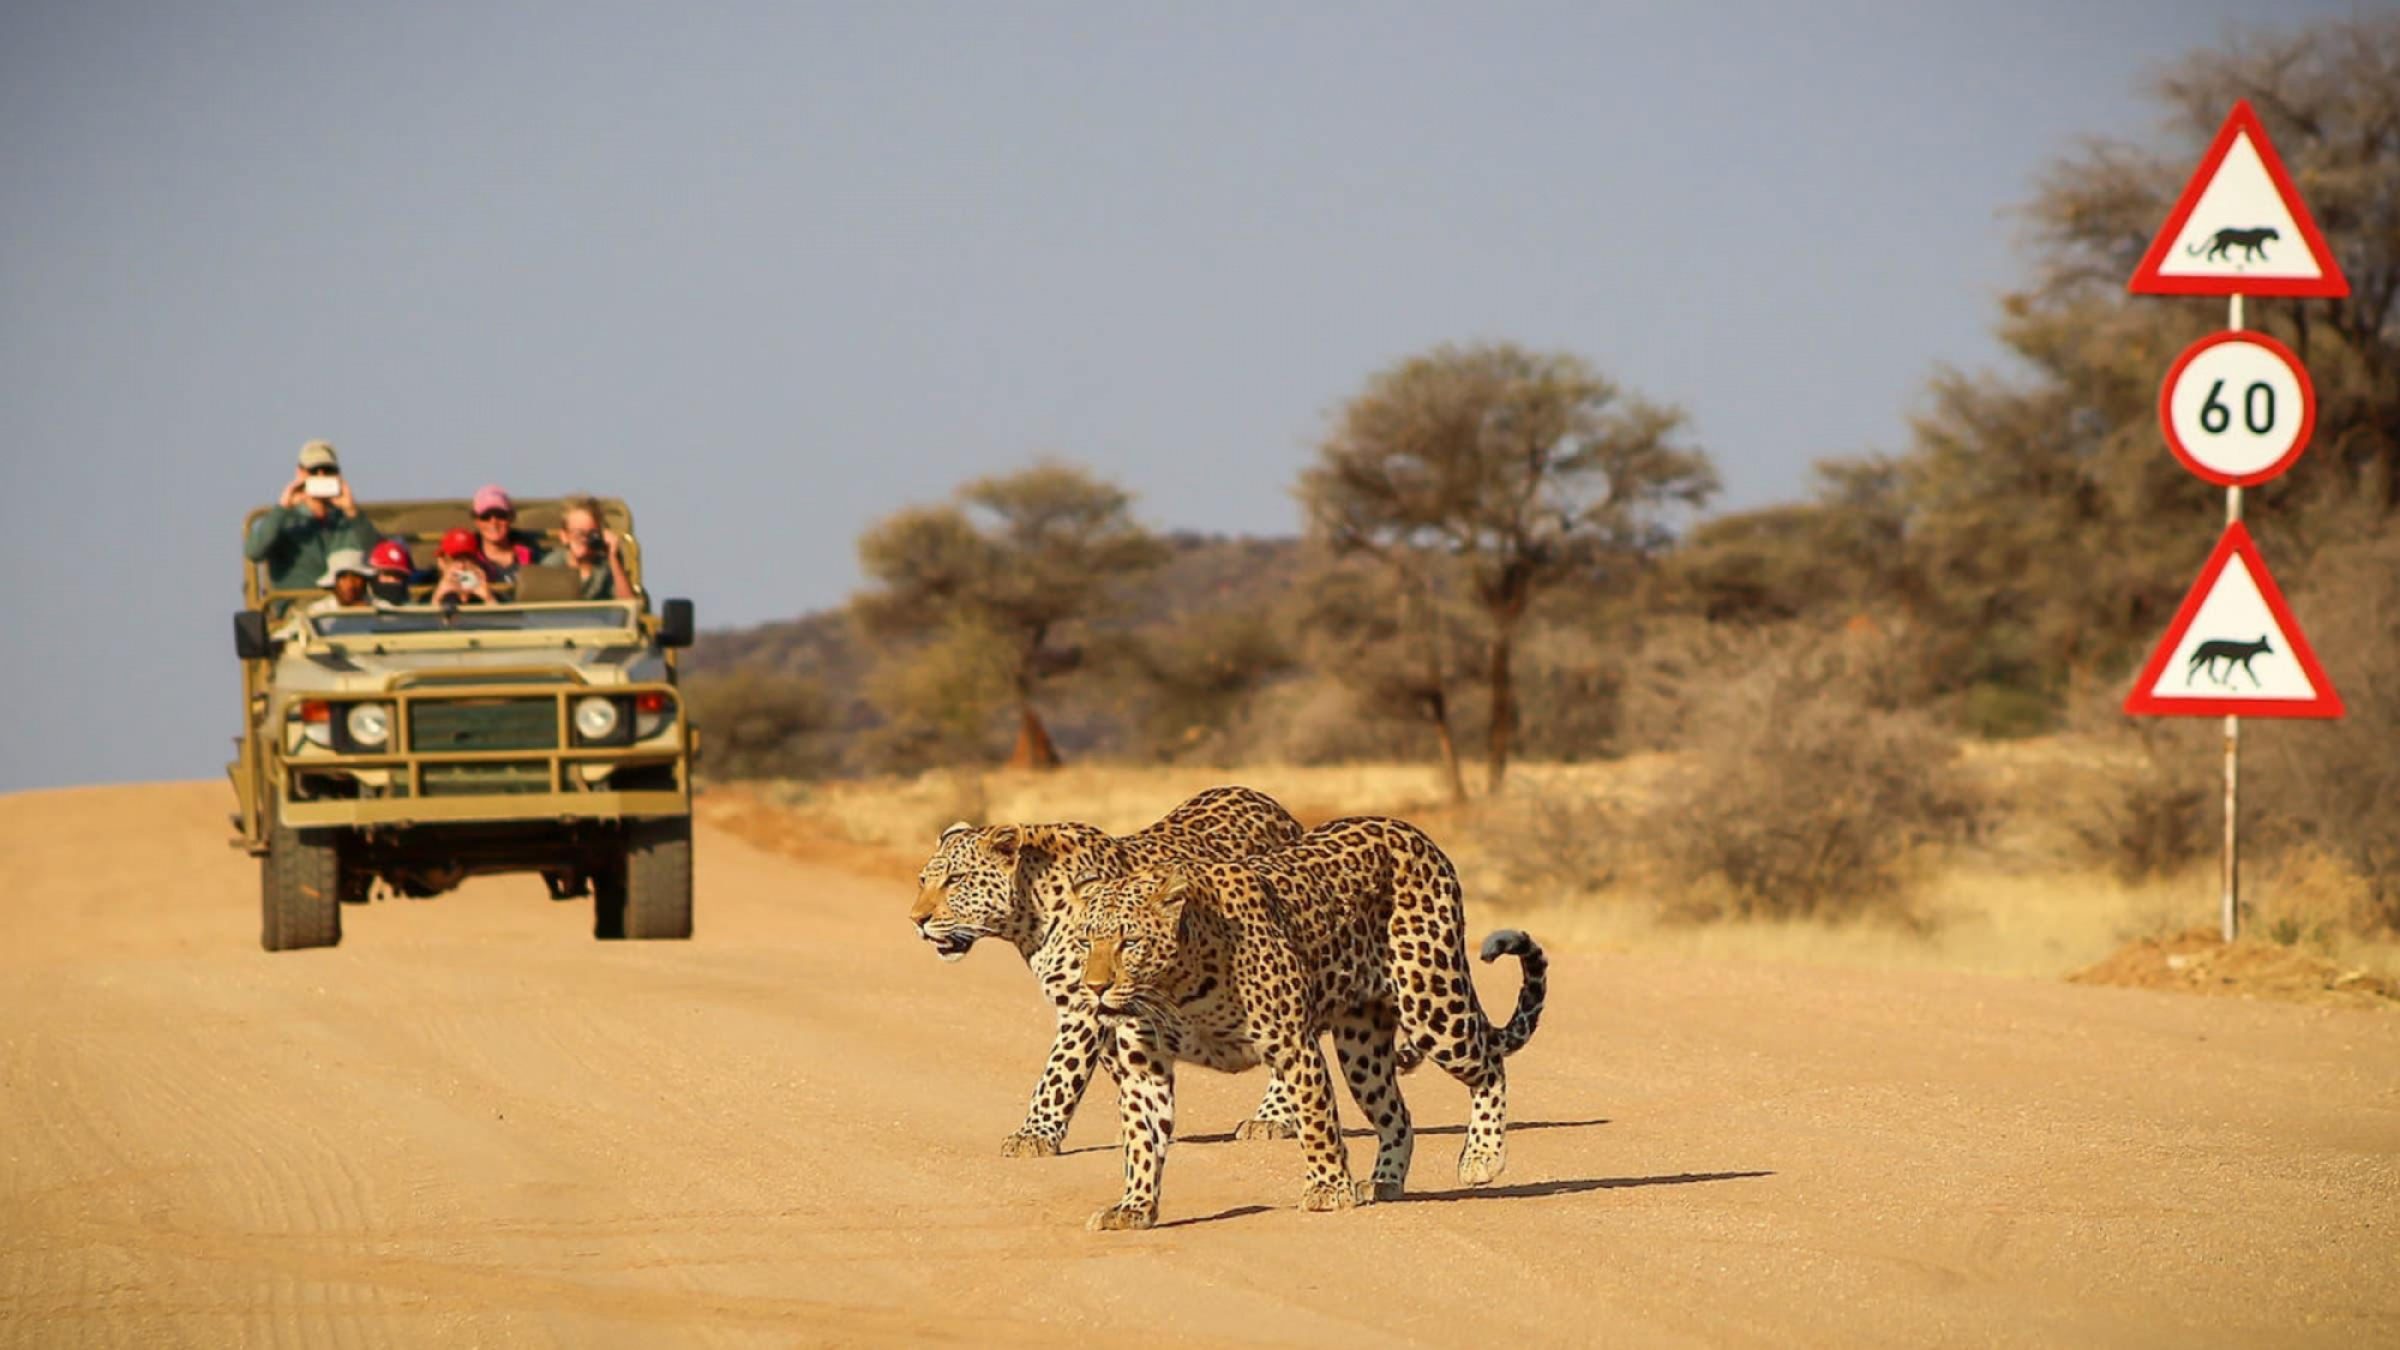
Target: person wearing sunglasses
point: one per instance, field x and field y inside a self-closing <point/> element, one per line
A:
<point x="315" y="517"/>
<point x="504" y="550"/>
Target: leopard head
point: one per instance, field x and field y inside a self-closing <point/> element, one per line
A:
<point x="1132" y="930"/>
<point x="1003" y="881"/>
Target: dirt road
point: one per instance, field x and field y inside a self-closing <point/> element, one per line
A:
<point x="472" y="1125"/>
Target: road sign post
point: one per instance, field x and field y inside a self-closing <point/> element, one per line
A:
<point x="2229" y="890"/>
<point x="2237" y="408"/>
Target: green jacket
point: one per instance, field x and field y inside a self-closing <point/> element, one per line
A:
<point x="294" y="544"/>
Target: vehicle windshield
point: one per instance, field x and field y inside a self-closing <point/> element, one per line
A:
<point x="470" y="619"/>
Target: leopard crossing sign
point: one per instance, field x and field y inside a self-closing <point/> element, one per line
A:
<point x="2240" y="227"/>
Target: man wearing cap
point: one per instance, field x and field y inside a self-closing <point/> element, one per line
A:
<point x="315" y="516"/>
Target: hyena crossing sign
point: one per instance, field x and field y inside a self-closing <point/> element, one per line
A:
<point x="2234" y="648"/>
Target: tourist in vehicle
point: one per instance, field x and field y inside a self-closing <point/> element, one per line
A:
<point x="347" y="573"/>
<point x="596" y="554"/>
<point x="395" y="572"/>
<point x="315" y="516"/>
<point x="464" y="579"/>
<point x="503" y="550"/>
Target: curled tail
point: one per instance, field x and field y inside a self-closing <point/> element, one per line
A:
<point x="1536" y="973"/>
<point x="1536" y="987"/>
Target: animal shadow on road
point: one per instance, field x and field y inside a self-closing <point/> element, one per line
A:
<point x="1524" y="1191"/>
<point x="1422" y="1131"/>
<point x="1528" y="1190"/>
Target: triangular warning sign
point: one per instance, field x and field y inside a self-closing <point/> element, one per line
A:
<point x="2240" y="227"/>
<point x="2234" y="648"/>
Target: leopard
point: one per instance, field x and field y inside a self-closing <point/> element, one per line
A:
<point x="1358" y="930"/>
<point x="1014" y="883"/>
<point x="2252" y="242"/>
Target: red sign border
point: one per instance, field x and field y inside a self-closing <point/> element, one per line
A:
<point x="2308" y="407"/>
<point x="2141" y="702"/>
<point x="2146" y="277"/>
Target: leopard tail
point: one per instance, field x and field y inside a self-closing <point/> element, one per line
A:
<point x="1536" y="987"/>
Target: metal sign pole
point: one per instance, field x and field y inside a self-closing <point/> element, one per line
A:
<point x="2230" y="922"/>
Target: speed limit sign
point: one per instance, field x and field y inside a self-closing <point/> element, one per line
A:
<point x="2237" y="408"/>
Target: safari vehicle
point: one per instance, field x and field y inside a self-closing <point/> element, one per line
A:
<point x="422" y="745"/>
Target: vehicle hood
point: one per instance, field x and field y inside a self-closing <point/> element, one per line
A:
<point x="354" y="666"/>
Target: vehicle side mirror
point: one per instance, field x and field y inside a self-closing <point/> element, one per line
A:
<point x="675" y="624"/>
<point x="250" y="640"/>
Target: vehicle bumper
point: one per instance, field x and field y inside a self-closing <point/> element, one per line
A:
<point x="563" y="806"/>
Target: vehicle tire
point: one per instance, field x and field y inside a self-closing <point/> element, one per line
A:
<point x="650" y="895"/>
<point x="300" y="889"/>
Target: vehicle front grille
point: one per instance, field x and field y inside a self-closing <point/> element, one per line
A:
<point x="439" y="726"/>
<point x="501" y="779"/>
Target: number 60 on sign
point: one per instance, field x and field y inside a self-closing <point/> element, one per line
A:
<point x="2237" y="408"/>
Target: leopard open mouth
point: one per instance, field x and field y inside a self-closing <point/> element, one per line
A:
<point x="952" y="945"/>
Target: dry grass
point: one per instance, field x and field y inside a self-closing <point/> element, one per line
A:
<point x="1561" y="853"/>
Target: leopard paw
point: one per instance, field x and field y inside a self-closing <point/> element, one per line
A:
<point x="1481" y="1169"/>
<point x="1120" y="1218"/>
<point x="1262" y="1128"/>
<point x="1335" y="1195"/>
<point x="1024" y="1144"/>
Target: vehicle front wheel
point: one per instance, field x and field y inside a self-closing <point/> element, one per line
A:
<point x="300" y="889"/>
<point x="649" y="894"/>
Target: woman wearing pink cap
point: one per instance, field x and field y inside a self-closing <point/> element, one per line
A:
<point x="495" y="525"/>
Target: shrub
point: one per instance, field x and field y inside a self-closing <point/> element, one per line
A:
<point x="757" y="724"/>
<point x="1543" y="845"/>
<point x="1193" y="679"/>
<point x="1801" y="798"/>
<point x="2336" y="785"/>
<point x="2144" y="797"/>
<point x="1997" y="711"/>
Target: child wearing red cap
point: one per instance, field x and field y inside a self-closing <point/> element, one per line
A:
<point x="395" y="572"/>
<point x="464" y="577"/>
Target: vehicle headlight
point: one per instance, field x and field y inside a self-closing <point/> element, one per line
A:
<point x="369" y="724"/>
<point x="596" y="718"/>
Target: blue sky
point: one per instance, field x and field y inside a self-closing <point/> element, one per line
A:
<point x="771" y="271"/>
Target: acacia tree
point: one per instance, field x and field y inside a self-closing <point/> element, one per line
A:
<point x="1009" y="564"/>
<point x="1391" y="635"/>
<point x="1525" y="466"/>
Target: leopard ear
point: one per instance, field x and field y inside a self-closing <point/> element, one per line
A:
<point x="1175" y="885"/>
<point x="1002" y="841"/>
<point x="954" y="827"/>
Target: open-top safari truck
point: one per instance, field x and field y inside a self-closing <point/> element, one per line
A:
<point x="425" y="744"/>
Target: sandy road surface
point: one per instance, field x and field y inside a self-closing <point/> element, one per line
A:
<point x="473" y="1125"/>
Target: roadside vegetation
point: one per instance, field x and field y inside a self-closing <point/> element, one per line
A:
<point x="1861" y="710"/>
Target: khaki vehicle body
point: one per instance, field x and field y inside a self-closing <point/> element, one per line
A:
<point x="421" y="745"/>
